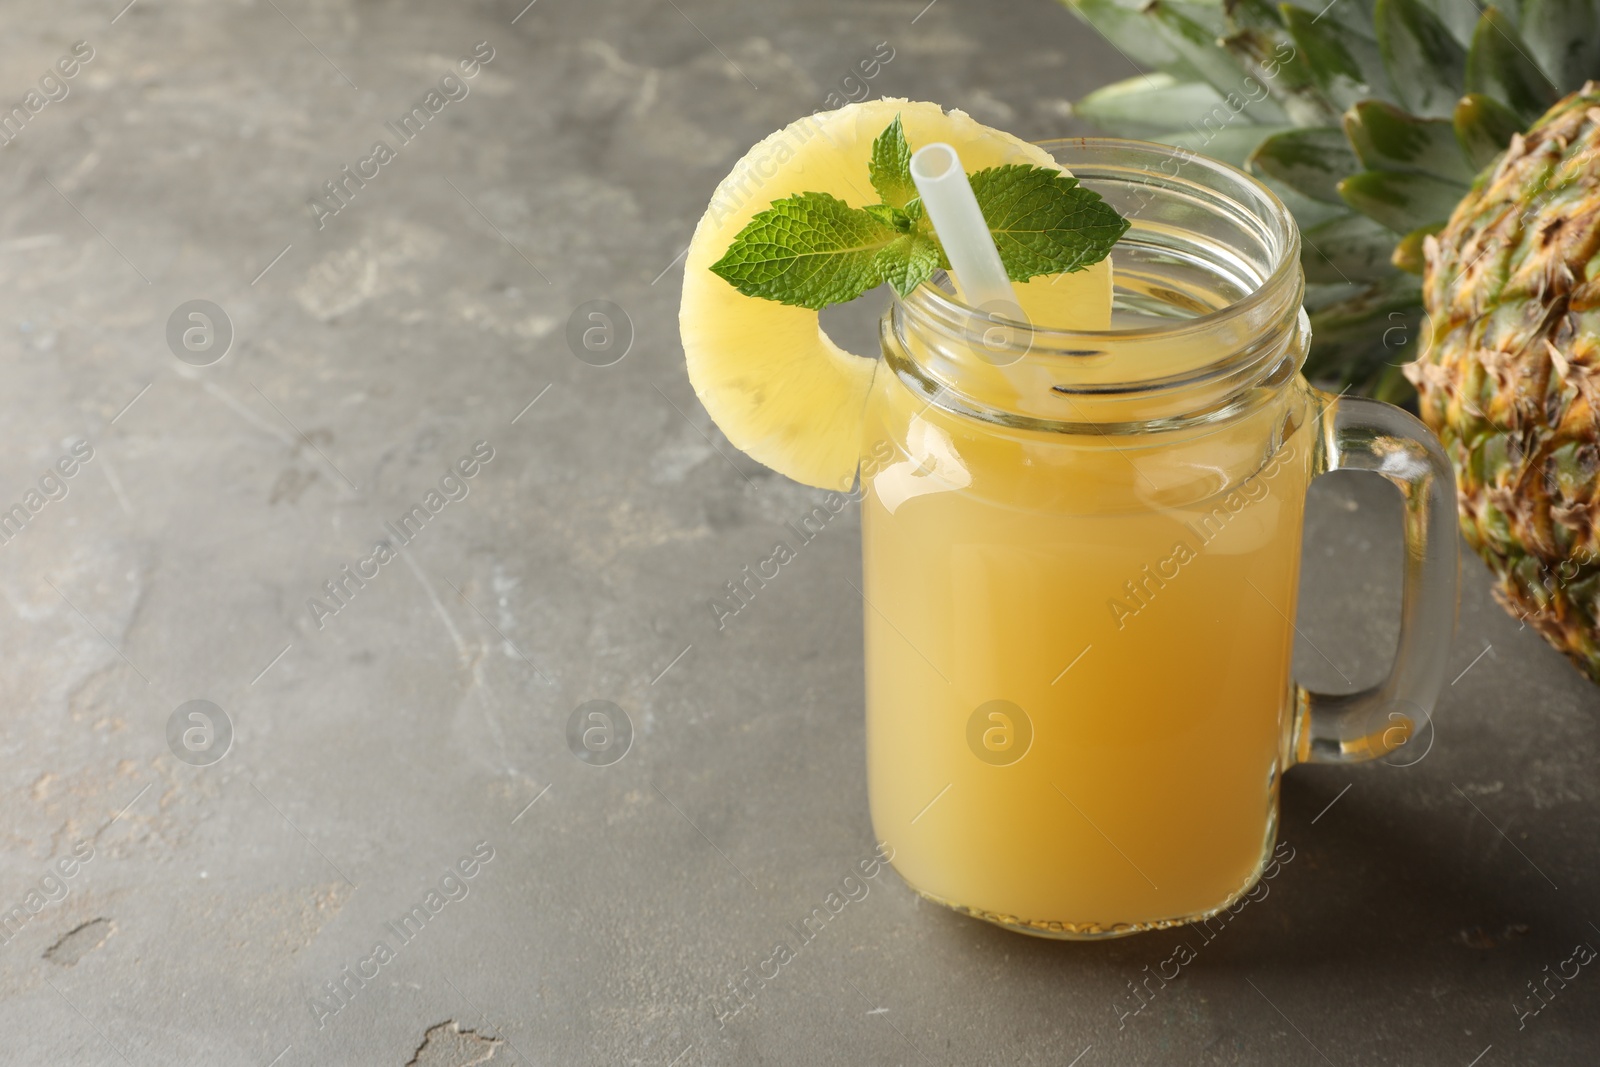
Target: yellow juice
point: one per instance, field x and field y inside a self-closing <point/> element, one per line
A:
<point x="1078" y="657"/>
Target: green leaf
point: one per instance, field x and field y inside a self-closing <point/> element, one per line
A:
<point x="1498" y="66"/>
<point x="890" y="166"/>
<point x="1128" y="31"/>
<point x="1325" y="295"/>
<point x="1311" y="161"/>
<point x="1424" y="62"/>
<point x="1206" y="14"/>
<point x="1345" y="65"/>
<point x="808" y="250"/>
<point x="1386" y="138"/>
<point x="1253" y="15"/>
<point x="1306" y="211"/>
<point x="1402" y="202"/>
<point x="1563" y="37"/>
<point x="1408" y="254"/>
<point x="1354" y="18"/>
<point x="884" y="213"/>
<point x="1279" y="69"/>
<point x="1231" y="144"/>
<point x="890" y="216"/>
<point x="1391" y="386"/>
<point x="1127" y="28"/>
<point x="1353" y="339"/>
<point x="1148" y="102"/>
<point x="1484" y="128"/>
<point x="1043" y="221"/>
<point x="1197" y="45"/>
<point x="1460" y="17"/>
<point x="1351" y="248"/>
<point x="909" y="260"/>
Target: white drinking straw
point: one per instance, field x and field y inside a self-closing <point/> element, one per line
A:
<point x="953" y="210"/>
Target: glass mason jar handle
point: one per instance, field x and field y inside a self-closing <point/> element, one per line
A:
<point x="1359" y="434"/>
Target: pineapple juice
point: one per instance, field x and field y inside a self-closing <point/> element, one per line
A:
<point x="1078" y="655"/>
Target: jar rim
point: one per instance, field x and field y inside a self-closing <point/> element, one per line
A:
<point x="1209" y="272"/>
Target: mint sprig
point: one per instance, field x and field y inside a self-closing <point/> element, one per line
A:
<point x="812" y="249"/>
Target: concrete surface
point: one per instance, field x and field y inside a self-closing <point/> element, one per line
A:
<point x="420" y="722"/>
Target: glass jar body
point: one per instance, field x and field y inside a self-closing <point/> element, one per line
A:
<point x="1078" y="650"/>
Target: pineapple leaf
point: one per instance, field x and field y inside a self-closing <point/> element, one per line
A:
<point x="1327" y="294"/>
<point x="1386" y="138"/>
<point x="1310" y="161"/>
<point x="1128" y="31"/>
<point x="1354" y="18"/>
<point x="1357" y="336"/>
<point x="1148" y="102"/>
<point x="1253" y="15"/>
<point x="1424" y="62"/>
<point x="1350" y="248"/>
<point x="1498" y="66"/>
<point x="1460" y="17"/>
<point x="1563" y="36"/>
<point x="1408" y="254"/>
<point x="1306" y="211"/>
<point x="1391" y="387"/>
<point x="1209" y="15"/>
<point x="1345" y="65"/>
<point x="1483" y="128"/>
<point x="1272" y="59"/>
<point x="1197" y="46"/>
<point x="1232" y="144"/>
<point x="1400" y="201"/>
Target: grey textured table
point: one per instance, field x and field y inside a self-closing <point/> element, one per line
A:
<point x="175" y="913"/>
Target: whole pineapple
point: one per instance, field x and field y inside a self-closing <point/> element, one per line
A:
<point x="1511" y="379"/>
<point x="1373" y="122"/>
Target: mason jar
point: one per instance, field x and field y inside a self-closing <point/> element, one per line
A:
<point x="1081" y="554"/>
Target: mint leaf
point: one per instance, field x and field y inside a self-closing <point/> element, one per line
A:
<point x="1043" y="221"/>
<point x="890" y="166"/>
<point x="808" y="250"/>
<point x="890" y="216"/>
<point x="909" y="260"/>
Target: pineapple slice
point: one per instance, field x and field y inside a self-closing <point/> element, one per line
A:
<point x="770" y="378"/>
